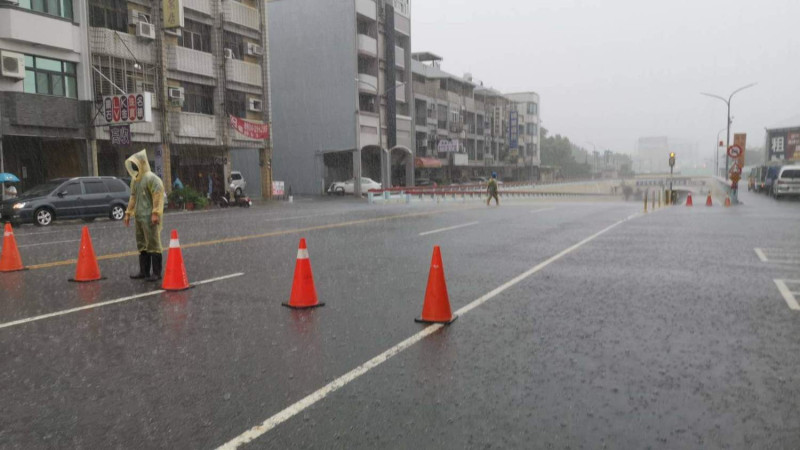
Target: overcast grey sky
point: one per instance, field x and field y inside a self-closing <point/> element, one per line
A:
<point x="610" y="71"/>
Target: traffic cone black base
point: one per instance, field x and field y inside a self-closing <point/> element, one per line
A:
<point x="420" y="320"/>
<point x="303" y="307"/>
<point x="73" y="280"/>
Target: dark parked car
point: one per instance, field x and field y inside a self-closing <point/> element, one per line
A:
<point x="69" y="198"/>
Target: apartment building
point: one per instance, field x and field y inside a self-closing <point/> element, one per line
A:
<point x="341" y="77"/>
<point x="465" y="130"/>
<point x="45" y="90"/>
<point x="208" y="81"/>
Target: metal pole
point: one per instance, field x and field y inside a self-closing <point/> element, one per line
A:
<point x="670" y="185"/>
<point x="2" y="160"/>
<point x="728" y="138"/>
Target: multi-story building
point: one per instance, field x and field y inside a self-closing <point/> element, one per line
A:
<point x="45" y="90"/>
<point x="341" y="77"/>
<point x="465" y="130"/>
<point x="209" y="84"/>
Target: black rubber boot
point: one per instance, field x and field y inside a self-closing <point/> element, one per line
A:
<point x="144" y="267"/>
<point x="157" y="259"/>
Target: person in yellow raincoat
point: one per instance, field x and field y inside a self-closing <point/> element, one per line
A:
<point x="146" y="206"/>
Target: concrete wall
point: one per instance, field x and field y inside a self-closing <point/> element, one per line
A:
<point x="313" y="75"/>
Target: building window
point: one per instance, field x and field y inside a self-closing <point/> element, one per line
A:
<point x="532" y="129"/>
<point x="236" y="103"/>
<point x="366" y="102"/>
<point x="50" y="77"/>
<point x="196" y="36"/>
<point x="111" y="14"/>
<point x="58" y="8"/>
<point x="198" y="98"/>
<point x="533" y="108"/>
<point x="235" y="42"/>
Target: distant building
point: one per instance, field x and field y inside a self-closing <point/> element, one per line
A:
<point x="652" y="155"/>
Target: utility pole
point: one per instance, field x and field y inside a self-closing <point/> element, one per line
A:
<point x="728" y="104"/>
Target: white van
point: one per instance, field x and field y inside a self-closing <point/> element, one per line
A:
<point x="787" y="182"/>
<point x="237" y="183"/>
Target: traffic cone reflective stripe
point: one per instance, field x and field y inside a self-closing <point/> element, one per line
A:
<point x="689" y="200"/>
<point x="87" y="268"/>
<point x="10" y="260"/>
<point x="175" y="278"/>
<point x="436" y="308"/>
<point x="304" y="293"/>
<point x="708" y="200"/>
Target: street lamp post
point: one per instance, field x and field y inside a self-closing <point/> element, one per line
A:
<point x="728" y="104"/>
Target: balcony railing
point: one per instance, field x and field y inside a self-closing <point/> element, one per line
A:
<point x="367" y="83"/>
<point x="192" y="125"/>
<point x="367" y="8"/>
<point x="242" y="15"/>
<point x="203" y="6"/>
<point x="187" y="60"/>
<point x="243" y="72"/>
<point x="399" y="57"/>
<point x="121" y="45"/>
<point x="367" y="44"/>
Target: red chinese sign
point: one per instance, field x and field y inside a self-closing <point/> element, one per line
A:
<point x="250" y="129"/>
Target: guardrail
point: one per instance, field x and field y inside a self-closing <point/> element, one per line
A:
<point x="443" y="194"/>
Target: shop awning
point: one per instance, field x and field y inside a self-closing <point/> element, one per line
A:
<point x="422" y="162"/>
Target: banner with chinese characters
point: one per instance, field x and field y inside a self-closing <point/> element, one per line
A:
<point x="740" y="140"/>
<point x="173" y="14"/>
<point x="250" y="129"/>
<point x="120" y="134"/>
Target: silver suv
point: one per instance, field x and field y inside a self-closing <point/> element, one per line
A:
<point x="787" y="182"/>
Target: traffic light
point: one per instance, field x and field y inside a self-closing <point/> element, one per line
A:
<point x="672" y="159"/>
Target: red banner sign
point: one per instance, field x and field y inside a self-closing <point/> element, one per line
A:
<point x="250" y="129"/>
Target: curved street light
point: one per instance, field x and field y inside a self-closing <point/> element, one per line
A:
<point x="728" y="103"/>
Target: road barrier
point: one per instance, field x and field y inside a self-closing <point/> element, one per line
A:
<point x="10" y="260"/>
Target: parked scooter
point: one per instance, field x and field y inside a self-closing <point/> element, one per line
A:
<point x="242" y="200"/>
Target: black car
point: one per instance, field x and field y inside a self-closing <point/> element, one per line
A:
<point x="68" y="198"/>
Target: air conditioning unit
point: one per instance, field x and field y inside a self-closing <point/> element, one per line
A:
<point x="229" y="54"/>
<point x="134" y="17"/>
<point x="175" y="95"/>
<point x="12" y="65"/>
<point x="255" y="105"/>
<point x="254" y="49"/>
<point x="145" y="30"/>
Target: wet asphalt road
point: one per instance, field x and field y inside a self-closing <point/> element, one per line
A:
<point x="665" y="331"/>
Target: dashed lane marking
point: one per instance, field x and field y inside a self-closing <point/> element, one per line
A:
<point x="790" y="289"/>
<point x="760" y="254"/>
<point x="778" y="255"/>
<point x="109" y="302"/>
<point x="439" y="230"/>
<point x="338" y="383"/>
<point x="48" y="243"/>
<point x="229" y="240"/>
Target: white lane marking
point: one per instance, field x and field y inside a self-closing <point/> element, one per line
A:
<point x="110" y="302"/>
<point x="448" y="228"/>
<point x="48" y="243"/>
<point x="542" y="210"/>
<point x="787" y="294"/>
<point x="760" y="254"/>
<point x="343" y="380"/>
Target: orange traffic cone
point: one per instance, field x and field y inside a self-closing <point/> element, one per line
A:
<point x="87" y="268"/>
<point x="10" y="261"/>
<point x="436" y="308"/>
<point x="689" y="200"/>
<point x="175" y="278"/>
<point x="708" y="200"/>
<point x="727" y="201"/>
<point x="304" y="293"/>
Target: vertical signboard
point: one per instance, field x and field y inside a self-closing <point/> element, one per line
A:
<point x="159" y="161"/>
<point x="128" y="108"/>
<point x="173" y="14"/>
<point x="793" y="145"/>
<point x="513" y="129"/>
<point x="740" y="140"/>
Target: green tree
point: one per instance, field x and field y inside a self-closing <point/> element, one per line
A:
<point x="557" y="151"/>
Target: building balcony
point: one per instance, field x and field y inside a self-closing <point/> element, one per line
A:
<point x="192" y="125"/>
<point x="39" y="29"/>
<point x="368" y="126"/>
<point x="367" y="83"/>
<point x="367" y="9"/>
<point x="402" y="24"/>
<point x="242" y="15"/>
<point x="399" y="57"/>
<point x="243" y="72"/>
<point x="191" y="61"/>
<point x="367" y="45"/>
<point x="121" y="45"/>
<point x="203" y="6"/>
<point x="400" y="92"/>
